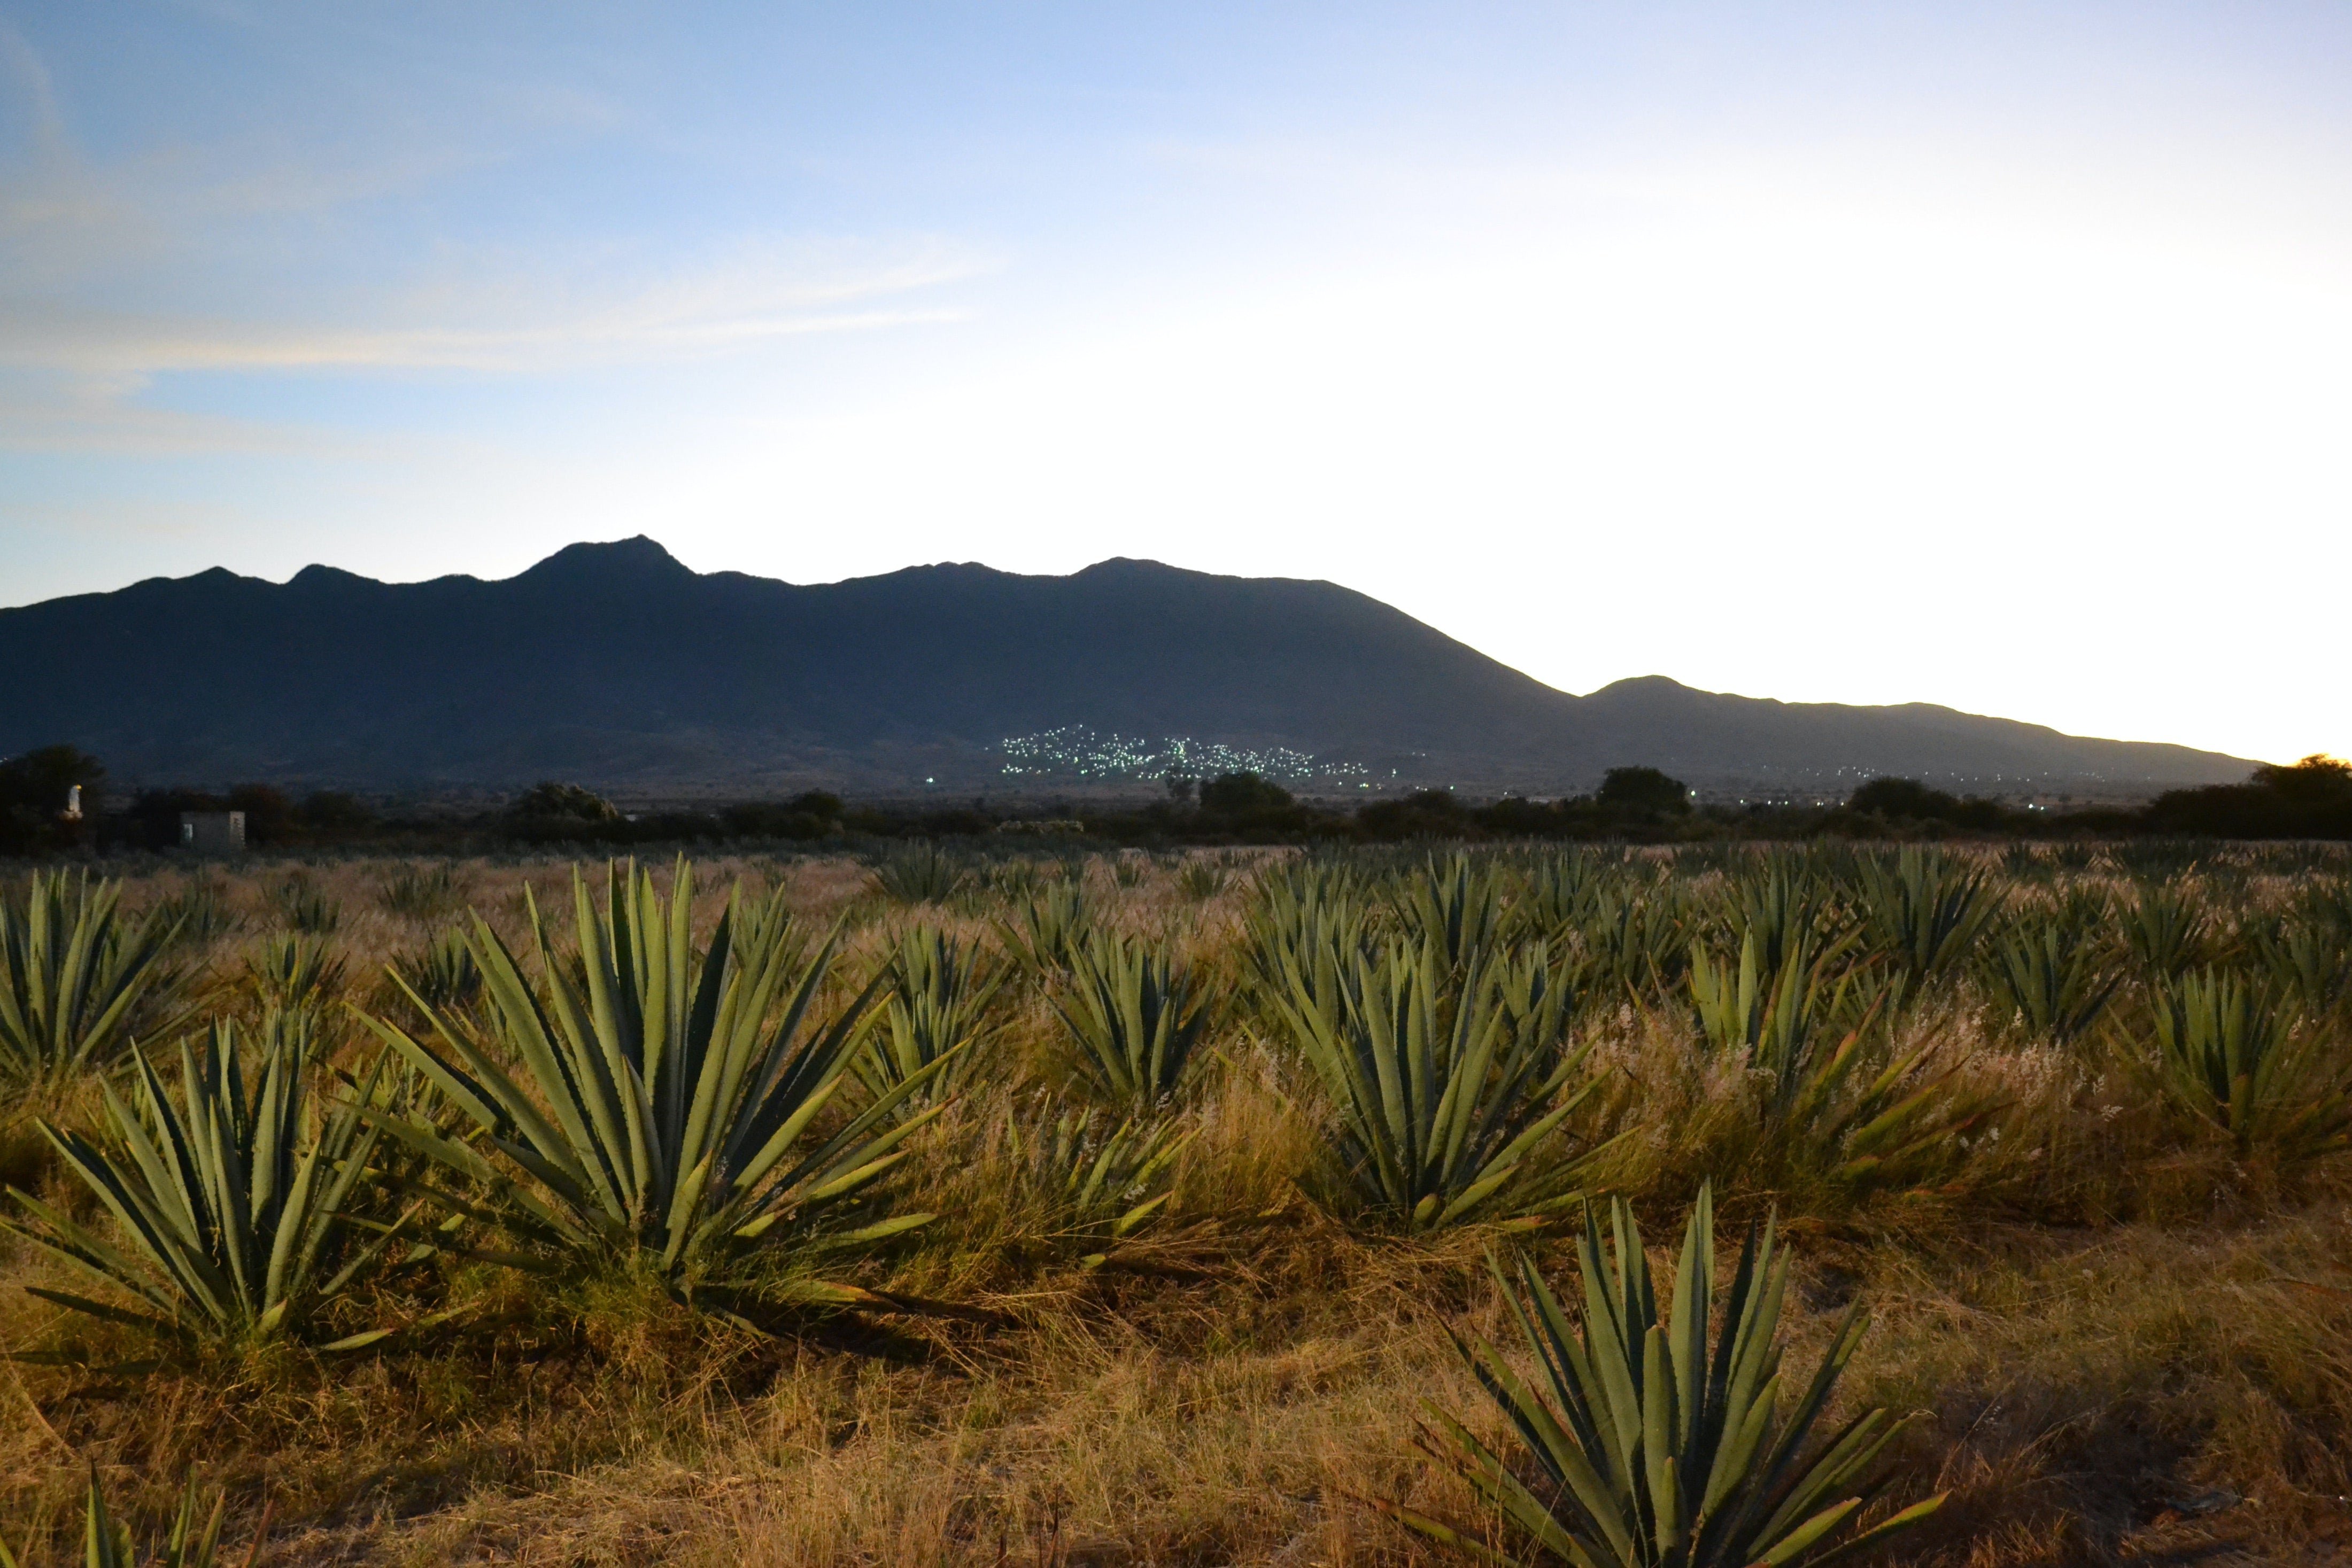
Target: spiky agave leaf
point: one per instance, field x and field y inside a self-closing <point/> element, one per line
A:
<point x="194" y="1541"/>
<point x="938" y="1009"/>
<point x="1446" y="1084"/>
<point x="1461" y="907"/>
<point x="2169" y="930"/>
<point x="1806" y="1031"/>
<point x="290" y="971"/>
<point x="75" y="975"/>
<point x="1099" y="1182"/>
<point x="665" y="1103"/>
<point x="1649" y="1444"/>
<point x="2052" y="973"/>
<point x="230" y="1204"/>
<point x="1135" y="1016"/>
<point x="2227" y="1049"/>
<point x="1923" y="912"/>
<point x="1049" y="927"/>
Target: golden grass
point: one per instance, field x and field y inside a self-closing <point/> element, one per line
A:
<point x="2128" y="1348"/>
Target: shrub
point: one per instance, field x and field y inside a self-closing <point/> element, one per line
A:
<point x="1643" y="791"/>
<point x="551" y="803"/>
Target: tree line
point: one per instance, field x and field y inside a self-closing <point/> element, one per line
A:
<point x="2308" y="799"/>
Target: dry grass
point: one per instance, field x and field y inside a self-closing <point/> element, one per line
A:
<point x="2129" y="1347"/>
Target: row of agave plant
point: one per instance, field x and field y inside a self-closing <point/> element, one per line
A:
<point x="724" y="1117"/>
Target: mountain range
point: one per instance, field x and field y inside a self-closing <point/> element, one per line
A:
<point x="618" y="666"/>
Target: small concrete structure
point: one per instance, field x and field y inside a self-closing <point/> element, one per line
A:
<point x="213" y="832"/>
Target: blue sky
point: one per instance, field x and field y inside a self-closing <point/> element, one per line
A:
<point x="1990" y="355"/>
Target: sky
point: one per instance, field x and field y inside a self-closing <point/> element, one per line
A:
<point x="1984" y="354"/>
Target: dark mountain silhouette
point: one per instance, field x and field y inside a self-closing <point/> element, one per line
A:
<point x="614" y="662"/>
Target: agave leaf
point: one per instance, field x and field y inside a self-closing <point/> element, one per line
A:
<point x="1661" y="1452"/>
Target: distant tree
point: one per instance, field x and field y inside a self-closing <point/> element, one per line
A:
<point x="1645" y="791"/>
<point x="332" y="814"/>
<point x="2318" y="779"/>
<point x="2310" y="799"/>
<point x="808" y="816"/>
<point x="1902" y="799"/>
<point x="1182" y="788"/>
<point x="548" y="802"/>
<point x="1242" y="795"/>
<point x="35" y="787"/>
<point x="1424" y="814"/>
<point x="1909" y="800"/>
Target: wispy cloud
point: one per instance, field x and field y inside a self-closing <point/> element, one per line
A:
<point x="710" y="311"/>
<point x="242" y="257"/>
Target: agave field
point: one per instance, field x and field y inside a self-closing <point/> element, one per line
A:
<point x="949" y="1207"/>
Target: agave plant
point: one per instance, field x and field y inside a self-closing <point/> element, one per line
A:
<point x="194" y="1541"/>
<point x="1636" y="942"/>
<point x="1135" y="1016"/>
<point x="1900" y="1126"/>
<point x="1306" y="923"/>
<point x="2226" y="1050"/>
<point x="920" y="872"/>
<point x="1647" y="1447"/>
<point x="1564" y="892"/>
<point x="1049" y="929"/>
<point x="659" y="1119"/>
<point x="231" y="1206"/>
<point x="442" y="974"/>
<point x="75" y="977"/>
<point x="2310" y="963"/>
<point x="1200" y="880"/>
<point x="1098" y="1184"/>
<point x="1446" y="1084"/>
<point x="1925" y="912"/>
<point x="1781" y="902"/>
<point x="291" y="972"/>
<point x="935" y="1024"/>
<point x="302" y="907"/>
<point x="1458" y="908"/>
<point x="2051" y="974"/>
<point x="423" y="892"/>
<point x="2169" y="930"/>
<point x="197" y="915"/>
<point x="1766" y="1007"/>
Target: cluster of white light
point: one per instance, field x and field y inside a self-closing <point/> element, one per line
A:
<point x="1075" y="748"/>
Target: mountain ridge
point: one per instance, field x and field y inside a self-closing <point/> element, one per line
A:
<point x="614" y="661"/>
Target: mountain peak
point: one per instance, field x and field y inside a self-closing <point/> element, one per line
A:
<point x="632" y="560"/>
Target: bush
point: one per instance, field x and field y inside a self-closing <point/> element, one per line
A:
<point x="1644" y="791"/>
<point x="551" y="802"/>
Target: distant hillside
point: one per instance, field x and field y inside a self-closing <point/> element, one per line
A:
<point x="616" y="664"/>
